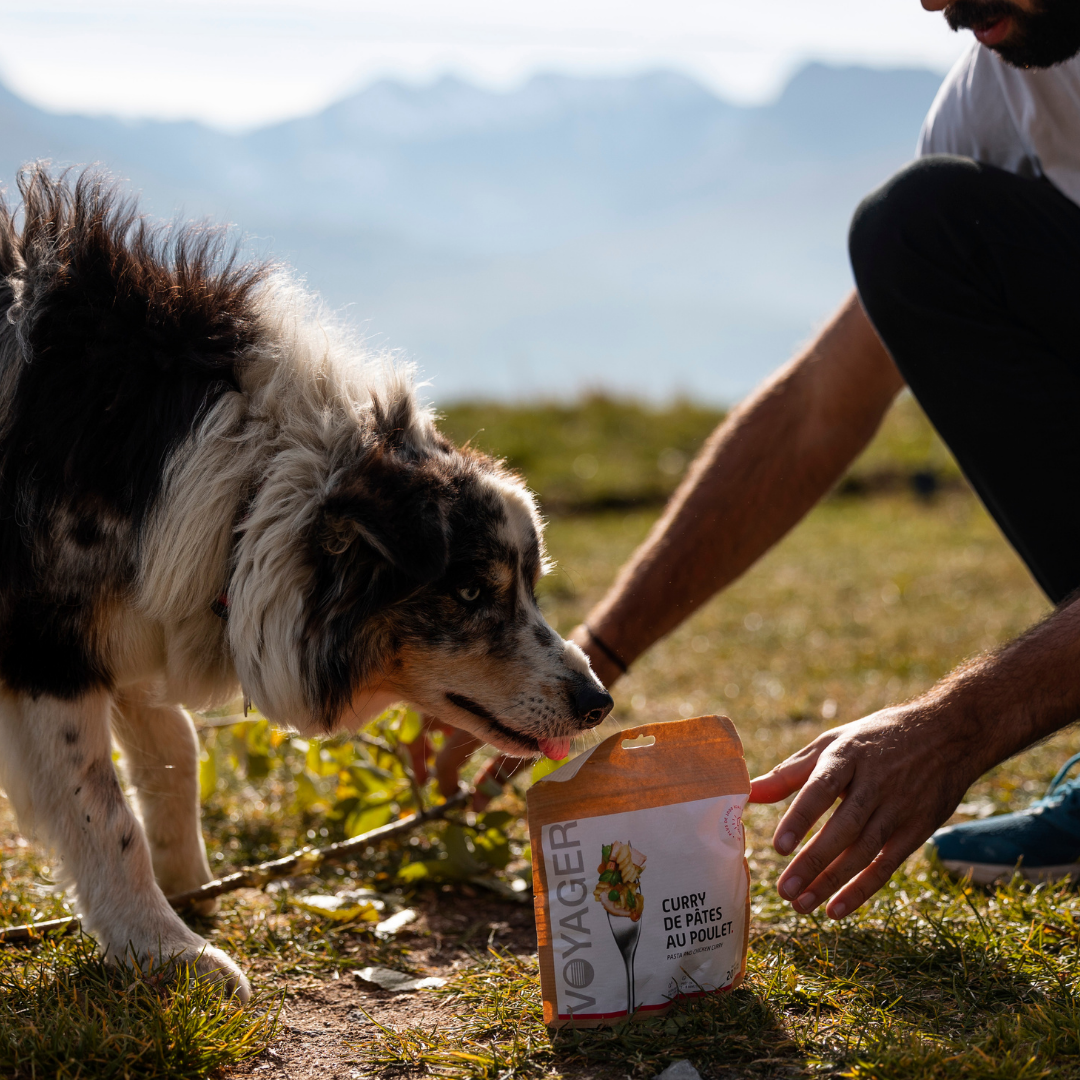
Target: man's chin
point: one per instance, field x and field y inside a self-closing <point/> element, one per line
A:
<point x="1045" y="55"/>
<point x="1021" y="38"/>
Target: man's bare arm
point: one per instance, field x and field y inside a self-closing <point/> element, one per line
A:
<point x="902" y="771"/>
<point x="757" y="476"/>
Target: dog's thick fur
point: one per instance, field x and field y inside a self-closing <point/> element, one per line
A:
<point x="203" y="489"/>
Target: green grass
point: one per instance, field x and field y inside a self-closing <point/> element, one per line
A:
<point x="868" y="602"/>
<point x="601" y="453"/>
<point x="595" y="453"/>
<point x="931" y="979"/>
<point x="64" y="1014"/>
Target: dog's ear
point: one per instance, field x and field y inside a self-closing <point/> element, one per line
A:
<point x="391" y="509"/>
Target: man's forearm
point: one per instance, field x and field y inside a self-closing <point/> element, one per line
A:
<point x="1020" y="694"/>
<point x="758" y="474"/>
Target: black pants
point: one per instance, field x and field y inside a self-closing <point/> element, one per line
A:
<point x="971" y="277"/>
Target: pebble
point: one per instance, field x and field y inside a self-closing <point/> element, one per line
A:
<point x="679" y="1070"/>
<point x="398" y="982"/>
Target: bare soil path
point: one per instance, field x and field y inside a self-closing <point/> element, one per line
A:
<point x="327" y="1019"/>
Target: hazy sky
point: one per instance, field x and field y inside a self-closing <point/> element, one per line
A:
<point x="238" y="63"/>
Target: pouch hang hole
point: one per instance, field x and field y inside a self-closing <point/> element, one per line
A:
<point x="635" y="744"/>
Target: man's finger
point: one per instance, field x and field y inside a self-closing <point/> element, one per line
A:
<point x="458" y="748"/>
<point x="897" y="848"/>
<point x="826" y="864"/>
<point x="790" y="775"/>
<point x="847" y="826"/>
<point x="828" y="780"/>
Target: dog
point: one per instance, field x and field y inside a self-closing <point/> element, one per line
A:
<point x="205" y="490"/>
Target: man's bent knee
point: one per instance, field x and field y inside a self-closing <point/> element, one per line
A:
<point x="889" y="225"/>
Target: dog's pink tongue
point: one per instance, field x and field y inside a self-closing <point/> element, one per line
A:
<point x="556" y="749"/>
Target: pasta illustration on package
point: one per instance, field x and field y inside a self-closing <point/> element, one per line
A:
<point x="641" y="885"/>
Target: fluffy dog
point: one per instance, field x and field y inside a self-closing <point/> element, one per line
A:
<point x="203" y="490"/>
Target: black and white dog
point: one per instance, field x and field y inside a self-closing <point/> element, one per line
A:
<point x="203" y="489"/>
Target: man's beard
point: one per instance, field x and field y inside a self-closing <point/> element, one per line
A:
<point x="1038" y="39"/>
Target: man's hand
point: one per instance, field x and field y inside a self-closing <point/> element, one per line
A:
<point x="900" y="772"/>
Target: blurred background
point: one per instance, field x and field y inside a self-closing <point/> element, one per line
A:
<point x="525" y="199"/>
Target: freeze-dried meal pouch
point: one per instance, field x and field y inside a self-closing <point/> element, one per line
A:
<point x="641" y="885"/>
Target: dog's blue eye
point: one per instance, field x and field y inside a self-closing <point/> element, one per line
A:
<point x="469" y="593"/>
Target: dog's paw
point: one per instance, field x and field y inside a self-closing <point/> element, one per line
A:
<point x="214" y="965"/>
<point x="184" y="956"/>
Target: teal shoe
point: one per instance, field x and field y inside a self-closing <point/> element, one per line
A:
<point x="1041" y="842"/>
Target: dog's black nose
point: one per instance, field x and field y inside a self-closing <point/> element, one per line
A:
<point x="591" y="704"/>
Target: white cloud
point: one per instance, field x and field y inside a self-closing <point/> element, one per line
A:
<point x="238" y="63"/>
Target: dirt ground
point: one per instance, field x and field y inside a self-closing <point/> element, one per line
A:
<point x="325" y="1021"/>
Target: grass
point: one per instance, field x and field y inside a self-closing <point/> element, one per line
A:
<point x="932" y="979"/>
<point x="65" y="1014"/>
<point x="600" y="453"/>
<point x="868" y="602"/>
<point x="592" y="454"/>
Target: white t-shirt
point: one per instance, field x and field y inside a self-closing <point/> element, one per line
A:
<point x="1025" y="121"/>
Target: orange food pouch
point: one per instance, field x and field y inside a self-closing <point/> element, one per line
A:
<point x="641" y="885"/>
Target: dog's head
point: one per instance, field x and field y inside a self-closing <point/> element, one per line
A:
<point x="414" y="580"/>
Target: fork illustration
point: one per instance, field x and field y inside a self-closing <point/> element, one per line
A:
<point x="626" y="935"/>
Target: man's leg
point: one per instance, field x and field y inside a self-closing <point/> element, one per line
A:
<point x="971" y="276"/>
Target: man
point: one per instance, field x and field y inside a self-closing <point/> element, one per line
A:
<point x="967" y="265"/>
<point x="968" y="289"/>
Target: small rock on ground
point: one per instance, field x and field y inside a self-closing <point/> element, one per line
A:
<point x="397" y="981"/>
<point x="679" y="1070"/>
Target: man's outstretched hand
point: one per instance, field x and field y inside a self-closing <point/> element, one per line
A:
<point x="900" y="773"/>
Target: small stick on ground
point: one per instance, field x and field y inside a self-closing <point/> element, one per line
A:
<point x="305" y="861"/>
<point x="21" y="935"/>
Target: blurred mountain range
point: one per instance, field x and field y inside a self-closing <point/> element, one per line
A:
<point x="638" y="235"/>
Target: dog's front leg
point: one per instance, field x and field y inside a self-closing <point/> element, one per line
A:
<point x="58" y="772"/>
<point x="161" y="759"/>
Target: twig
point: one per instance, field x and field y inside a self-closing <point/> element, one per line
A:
<point x="17" y="935"/>
<point x="226" y="721"/>
<point x="308" y="859"/>
<point x="304" y="861"/>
